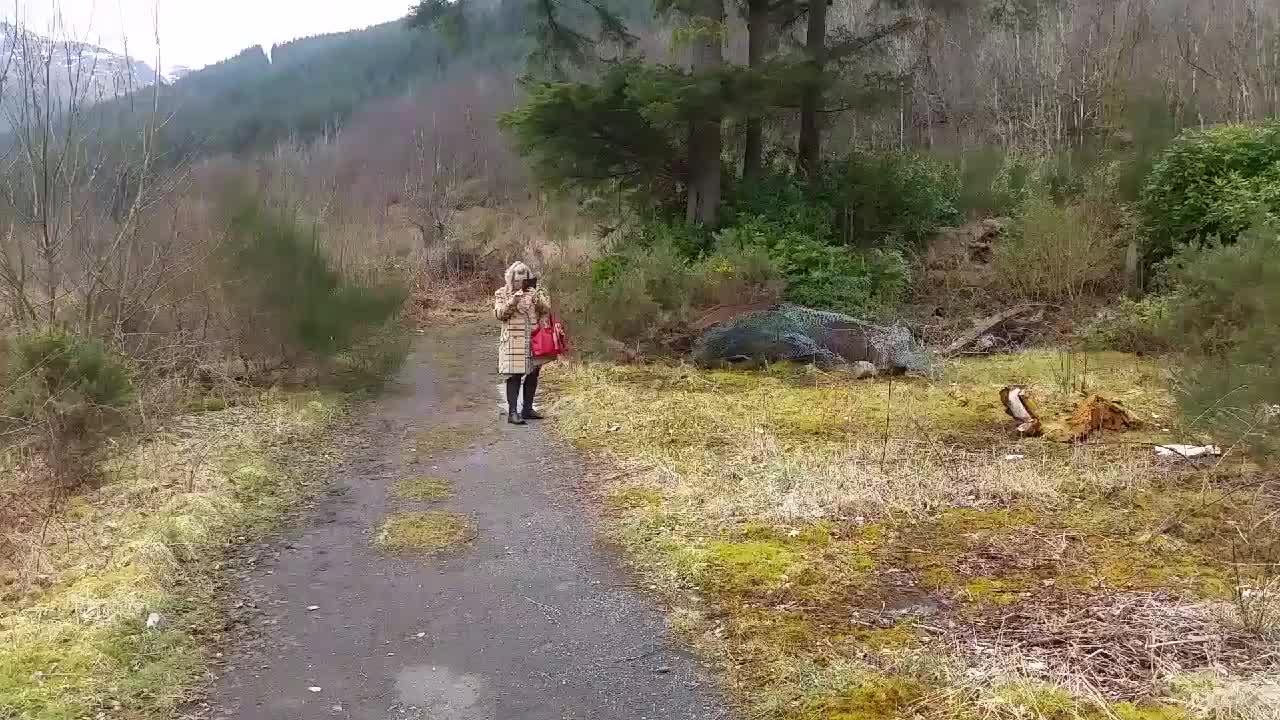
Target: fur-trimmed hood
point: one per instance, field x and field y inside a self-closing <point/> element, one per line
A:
<point x="510" y="275"/>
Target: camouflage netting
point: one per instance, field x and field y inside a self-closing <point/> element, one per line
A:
<point x="791" y="332"/>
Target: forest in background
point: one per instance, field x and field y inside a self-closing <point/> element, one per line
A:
<point x="282" y="219"/>
<point x="653" y="162"/>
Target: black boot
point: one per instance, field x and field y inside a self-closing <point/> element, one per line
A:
<point x="513" y="391"/>
<point x="530" y="389"/>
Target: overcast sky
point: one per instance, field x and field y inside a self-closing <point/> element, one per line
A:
<point x="196" y="33"/>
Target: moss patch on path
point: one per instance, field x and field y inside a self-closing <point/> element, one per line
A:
<point x="424" y="533"/>
<point x="423" y="489"/>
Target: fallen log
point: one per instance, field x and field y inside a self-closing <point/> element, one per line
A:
<point x="991" y="324"/>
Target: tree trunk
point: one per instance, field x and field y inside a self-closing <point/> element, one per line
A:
<point x="705" y="141"/>
<point x="757" y="37"/>
<point x="810" y="147"/>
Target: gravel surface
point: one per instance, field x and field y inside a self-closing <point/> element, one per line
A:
<point x="531" y="619"/>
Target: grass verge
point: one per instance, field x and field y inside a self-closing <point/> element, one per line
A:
<point x="74" y="640"/>
<point x="874" y="550"/>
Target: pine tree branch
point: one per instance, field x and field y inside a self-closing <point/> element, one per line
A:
<point x="853" y="46"/>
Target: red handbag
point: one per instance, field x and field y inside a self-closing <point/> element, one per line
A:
<point x="549" y="340"/>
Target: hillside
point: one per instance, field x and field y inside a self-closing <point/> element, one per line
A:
<point x="92" y="74"/>
<point x="307" y="88"/>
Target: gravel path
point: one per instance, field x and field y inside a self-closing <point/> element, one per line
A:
<point x="530" y="620"/>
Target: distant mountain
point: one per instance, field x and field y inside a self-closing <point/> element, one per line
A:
<point x="94" y="73"/>
<point x="308" y="88"/>
<point x="177" y="72"/>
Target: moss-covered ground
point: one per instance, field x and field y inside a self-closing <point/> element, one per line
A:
<point x="854" y="550"/>
<point x="74" y="601"/>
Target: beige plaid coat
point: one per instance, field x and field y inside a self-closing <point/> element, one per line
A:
<point x="519" y="318"/>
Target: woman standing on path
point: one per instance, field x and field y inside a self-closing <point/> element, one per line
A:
<point x="520" y="305"/>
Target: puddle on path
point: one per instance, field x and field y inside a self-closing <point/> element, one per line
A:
<point x="436" y="692"/>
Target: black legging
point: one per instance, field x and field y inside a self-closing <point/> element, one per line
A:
<point x="530" y="389"/>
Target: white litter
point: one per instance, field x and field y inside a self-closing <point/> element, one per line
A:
<point x="1014" y="458"/>
<point x="1187" y="451"/>
<point x="315" y="689"/>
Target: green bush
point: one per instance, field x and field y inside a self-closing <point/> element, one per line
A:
<point x="638" y="293"/>
<point x="821" y="274"/>
<point x="72" y="388"/>
<point x="375" y="357"/>
<point x="735" y="273"/>
<point x="1211" y="185"/>
<point x="627" y="296"/>
<point x="891" y="196"/>
<point x="625" y="310"/>
<point x="71" y="380"/>
<point x="1132" y="326"/>
<point x="1225" y="317"/>
<point x="991" y="182"/>
<point x="282" y="276"/>
<point x="1058" y="254"/>
<point x="1151" y="127"/>
<point x="664" y="274"/>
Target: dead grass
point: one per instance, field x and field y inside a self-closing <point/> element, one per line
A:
<point x="859" y="551"/>
<point x="73" y="640"/>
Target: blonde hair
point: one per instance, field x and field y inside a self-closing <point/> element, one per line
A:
<point x="511" y="274"/>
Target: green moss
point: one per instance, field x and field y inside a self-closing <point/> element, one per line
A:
<point x="872" y="534"/>
<point x="1144" y="567"/>
<point x="876" y="697"/>
<point x="968" y="520"/>
<point x="1186" y="514"/>
<point x="60" y="670"/>
<point x="768" y="634"/>
<point x="902" y="635"/>
<point x="423" y="489"/>
<point x="858" y="560"/>
<point x="818" y="534"/>
<point x="1190" y="685"/>
<point x="741" y="567"/>
<point x="777" y="598"/>
<point x="936" y="577"/>
<point x="993" y="591"/>
<point x="802" y="421"/>
<point x="635" y="498"/>
<point x="1038" y="700"/>
<point x="80" y="647"/>
<point x="423" y="532"/>
<point x="1129" y="711"/>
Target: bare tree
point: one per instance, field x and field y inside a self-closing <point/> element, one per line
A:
<point x="77" y="189"/>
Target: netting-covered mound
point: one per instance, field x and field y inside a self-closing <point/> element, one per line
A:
<point x="799" y="334"/>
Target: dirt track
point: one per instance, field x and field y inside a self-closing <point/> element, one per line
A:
<point x="530" y="620"/>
